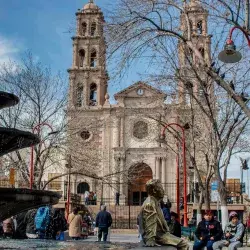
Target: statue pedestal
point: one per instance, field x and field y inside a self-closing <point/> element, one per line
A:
<point x="142" y="247"/>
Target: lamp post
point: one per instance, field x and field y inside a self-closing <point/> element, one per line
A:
<point x="229" y="54"/>
<point x="186" y="126"/>
<point x="68" y="166"/>
<point x="36" y="128"/>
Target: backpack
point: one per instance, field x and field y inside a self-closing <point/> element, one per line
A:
<point x="42" y="219"/>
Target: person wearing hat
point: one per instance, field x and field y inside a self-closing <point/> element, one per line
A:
<point x="174" y="225"/>
<point x="233" y="234"/>
<point x="208" y="231"/>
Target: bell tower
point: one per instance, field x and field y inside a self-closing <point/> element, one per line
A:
<point x="88" y="75"/>
<point x="198" y="30"/>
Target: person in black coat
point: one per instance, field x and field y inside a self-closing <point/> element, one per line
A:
<point x="20" y="232"/>
<point x="103" y="222"/>
<point x="208" y="231"/>
<point x="174" y="225"/>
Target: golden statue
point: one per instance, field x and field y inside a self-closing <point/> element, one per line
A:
<point x="153" y="227"/>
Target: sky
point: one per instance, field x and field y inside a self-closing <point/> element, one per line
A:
<point x="41" y="26"/>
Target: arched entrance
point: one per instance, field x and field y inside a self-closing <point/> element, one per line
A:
<point x="82" y="187"/>
<point x="138" y="175"/>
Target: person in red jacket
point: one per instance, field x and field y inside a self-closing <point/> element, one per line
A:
<point x="208" y="231"/>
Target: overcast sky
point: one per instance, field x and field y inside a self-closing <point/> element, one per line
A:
<point x="41" y="26"/>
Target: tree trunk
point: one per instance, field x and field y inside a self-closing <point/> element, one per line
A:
<point x="224" y="209"/>
<point x="207" y="198"/>
<point x="199" y="214"/>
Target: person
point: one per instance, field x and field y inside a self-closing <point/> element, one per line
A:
<point x="58" y="224"/>
<point x="174" y="225"/>
<point x="29" y="221"/>
<point x="117" y="198"/>
<point x="208" y="231"/>
<point x="86" y="196"/>
<point x="95" y="198"/>
<point x="8" y="228"/>
<point x="103" y="222"/>
<point x="75" y="224"/>
<point x="233" y="234"/>
<point x="138" y="228"/>
<point x="166" y="211"/>
<point x="182" y="219"/>
<point x="153" y="226"/>
<point x="20" y="232"/>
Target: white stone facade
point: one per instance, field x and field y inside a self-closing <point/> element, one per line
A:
<point x="117" y="137"/>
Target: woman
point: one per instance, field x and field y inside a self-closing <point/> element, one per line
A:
<point x="75" y="224"/>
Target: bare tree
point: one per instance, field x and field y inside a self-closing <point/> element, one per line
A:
<point x="42" y="101"/>
<point x="152" y="35"/>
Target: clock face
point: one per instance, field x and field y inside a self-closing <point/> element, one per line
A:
<point x="140" y="91"/>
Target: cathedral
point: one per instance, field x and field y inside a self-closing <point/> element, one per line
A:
<point x="121" y="141"/>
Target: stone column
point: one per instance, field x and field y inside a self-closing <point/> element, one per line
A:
<point x="71" y="90"/>
<point x="122" y="185"/>
<point x="116" y="132"/>
<point x="115" y="177"/>
<point x="122" y="132"/>
<point x="163" y="167"/>
<point x="78" y="26"/>
<point x="157" y="168"/>
<point x="75" y="53"/>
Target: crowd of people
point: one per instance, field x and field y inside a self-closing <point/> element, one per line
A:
<point x="50" y="223"/>
<point x="43" y="223"/>
<point x="90" y="198"/>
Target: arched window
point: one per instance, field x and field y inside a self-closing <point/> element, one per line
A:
<point x="93" y="59"/>
<point x="93" y="95"/>
<point x="81" y="57"/>
<point x="84" y="29"/>
<point x="93" y="29"/>
<point x="199" y="27"/>
<point x="202" y="51"/>
<point x="79" y="95"/>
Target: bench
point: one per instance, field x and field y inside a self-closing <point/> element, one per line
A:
<point x="188" y="232"/>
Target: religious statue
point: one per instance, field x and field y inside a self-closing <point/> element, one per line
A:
<point x="153" y="227"/>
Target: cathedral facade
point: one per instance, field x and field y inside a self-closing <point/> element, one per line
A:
<point x="121" y="141"/>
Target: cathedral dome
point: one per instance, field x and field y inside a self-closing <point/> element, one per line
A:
<point x="90" y="6"/>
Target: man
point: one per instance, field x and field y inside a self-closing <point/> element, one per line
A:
<point x="174" y="225"/>
<point x="103" y="222"/>
<point x="233" y="234"/>
<point x="117" y="198"/>
<point x="166" y="211"/>
<point x="153" y="226"/>
<point x="208" y="231"/>
<point x="29" y="221"/>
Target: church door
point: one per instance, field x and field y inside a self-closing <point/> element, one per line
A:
<point x="82" y="187"/>
<point x="138" y="176"/>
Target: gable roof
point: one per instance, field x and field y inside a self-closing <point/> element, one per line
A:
<point x="139" y="84"/>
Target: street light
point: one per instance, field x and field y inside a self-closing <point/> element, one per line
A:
<point x="68" y="166"/>
<point x="186" y="126"/>
<point x="37" y="128"/>
<point x="230" y="54"/>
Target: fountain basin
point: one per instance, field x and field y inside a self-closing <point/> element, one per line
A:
<point x="16" y="200"/>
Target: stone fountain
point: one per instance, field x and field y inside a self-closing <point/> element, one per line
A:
<point x="16" y="200"/>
